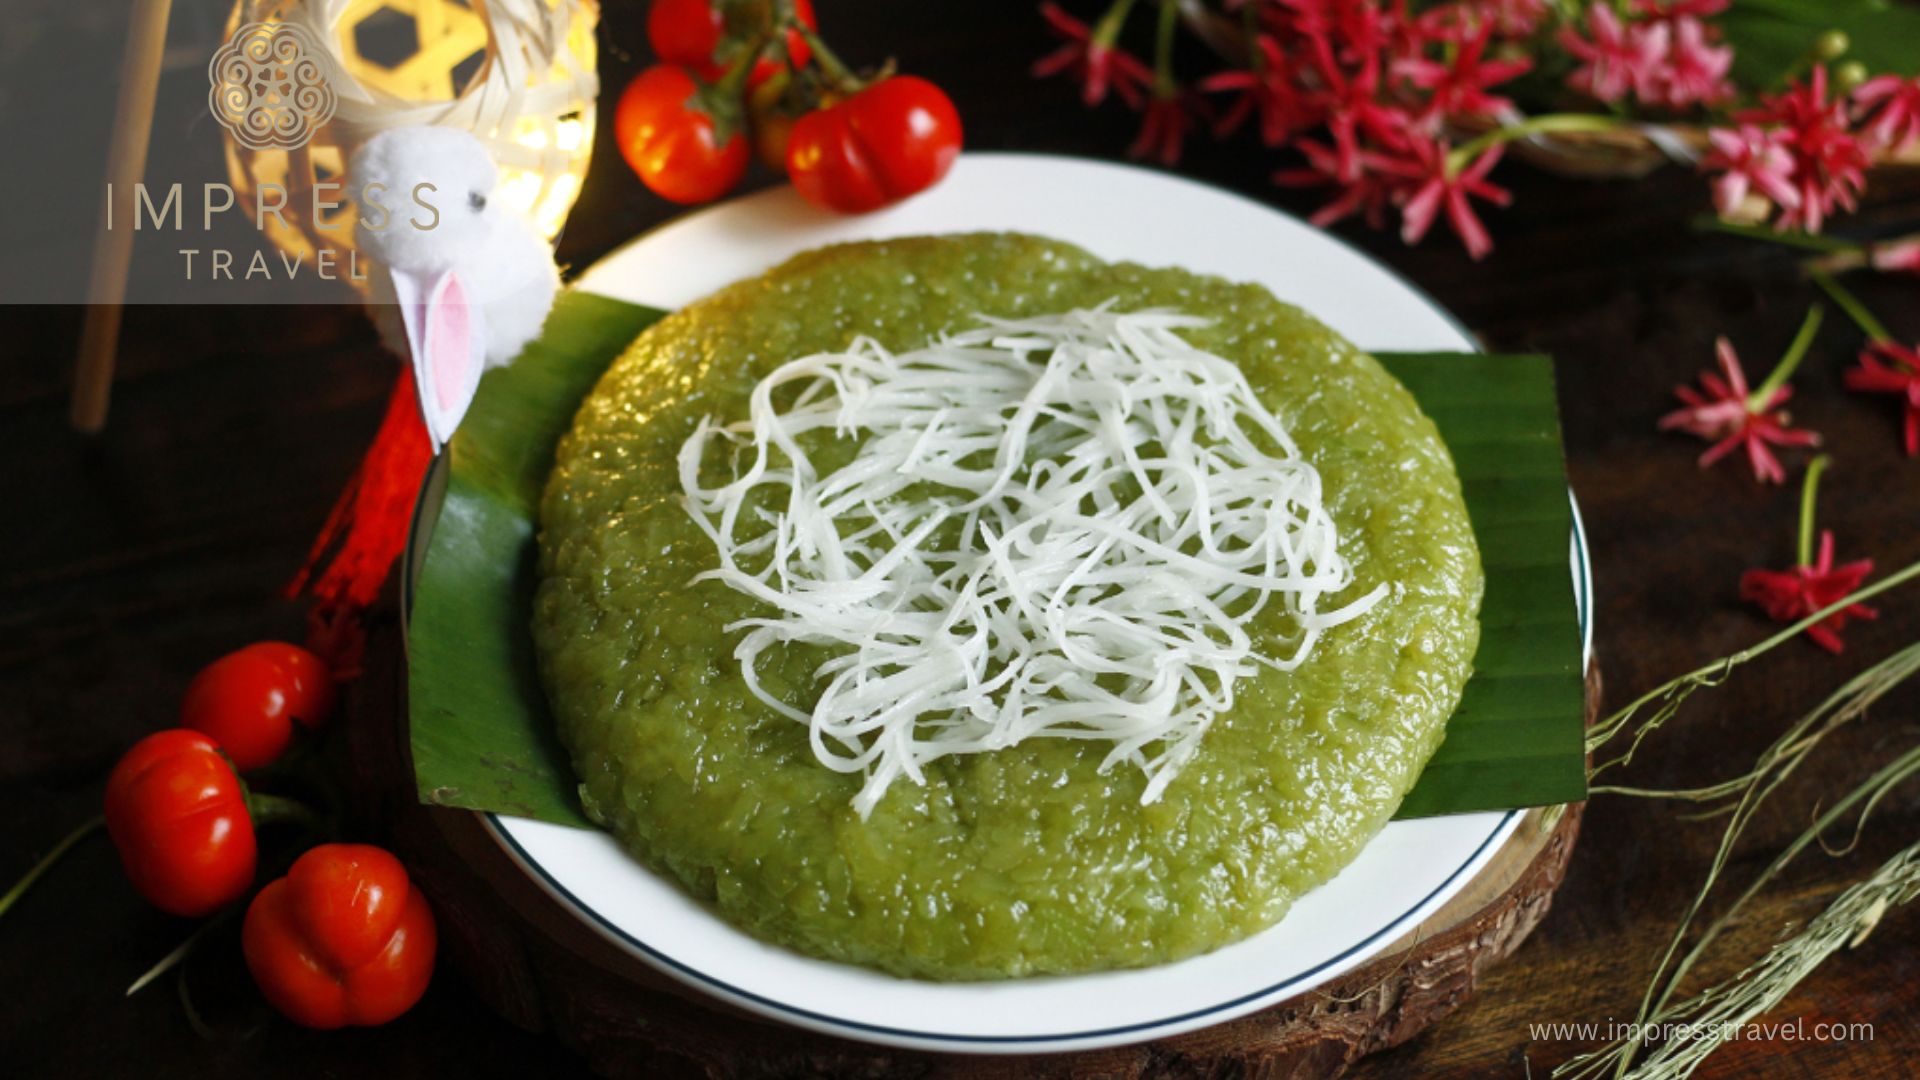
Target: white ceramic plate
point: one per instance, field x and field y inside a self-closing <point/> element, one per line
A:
<point x="1116" y="212"/>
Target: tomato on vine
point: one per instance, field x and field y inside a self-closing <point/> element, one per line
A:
<point x="757" y="68"/>
<point x="891" y="139"/>
<point x="678" y="148"/>
<point x="694" y="34"/>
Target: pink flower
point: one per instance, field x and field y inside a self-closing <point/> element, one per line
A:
<point x="1093" y="60"/>
<point x="1460" y="88"/>
<point x="1888" y="108"/>
<point x="1791" y="595"/>
<point x="1366" y="193"/>
<point x="1268" y="89"/>
<point x="1902" y="255"/>
<point x="1696" y="72"/>
<point x="1751" y="159"/>
<point x="1619" y="58"/>
<point x="1886" y="368"/>
<point x="1431" y="185"/>
<point x="1727" y="415"/>
<point x="1829" y="161"/>
<point x="1164" y="126"/>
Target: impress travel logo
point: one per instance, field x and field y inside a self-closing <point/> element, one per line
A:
<point x="269" y="86"/>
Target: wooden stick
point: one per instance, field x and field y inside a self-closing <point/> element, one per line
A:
<point x="113" y="246"/>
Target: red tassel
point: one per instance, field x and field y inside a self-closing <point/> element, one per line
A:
<point x="366" y="531"/>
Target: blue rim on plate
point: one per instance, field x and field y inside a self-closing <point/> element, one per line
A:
<point x="856" y="1028"/>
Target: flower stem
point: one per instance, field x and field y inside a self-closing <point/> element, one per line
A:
<point x="46" y="862"/>
<point x="1850" y="304"/>
<point x="1783" y="371"/>
<point x="1163" y="84"/>
<point x="1809" y="492"/>
<point x="1107" y="30"/>
<point x="1675" y="692"/>
<point x="1463" y="155"/>
<point x="1826" y="245"/>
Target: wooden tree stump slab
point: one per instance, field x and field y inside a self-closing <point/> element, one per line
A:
<point x="543" y="969"/>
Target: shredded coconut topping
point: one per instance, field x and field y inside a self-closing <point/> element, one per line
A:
<point x="1052" y="527"/>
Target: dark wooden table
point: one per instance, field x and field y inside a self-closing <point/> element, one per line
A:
<point x="130" y="559"/>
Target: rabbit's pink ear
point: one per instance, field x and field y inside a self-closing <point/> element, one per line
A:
<point x="448" y="338"/>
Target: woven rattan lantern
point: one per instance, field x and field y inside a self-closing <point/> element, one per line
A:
<point x="517" y="73"/>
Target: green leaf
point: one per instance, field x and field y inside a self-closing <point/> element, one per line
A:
<point x="483" y="738"/>
<point x="1517" y="738"/>
<point x="1771" y="38"/>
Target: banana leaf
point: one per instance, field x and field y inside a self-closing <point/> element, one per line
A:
<point x="483" y="739"/>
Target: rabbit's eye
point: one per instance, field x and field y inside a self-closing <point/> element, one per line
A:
<point x="477" y="201"/>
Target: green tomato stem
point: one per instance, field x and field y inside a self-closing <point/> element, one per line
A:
<point x="733" y="82"/>
<point x="1849" y="303"/>
<point x="84" y="830"/>
<point x="837" y="72"/>
<point x="1796" y="352"/>
<point x="1463" y="155"/>
<point x="275" y="809"/>
<point x="1809" y="492"/>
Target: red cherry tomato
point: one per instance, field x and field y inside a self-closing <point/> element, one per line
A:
<point x="891" y="140"/>
<point x="248" y="701"/>
<point x="691" y="33"/>
<point x="178" y="817"/>
<point x="684" y="31"/>
<point x="343" y="939"/>
<point x="671" y="144"/>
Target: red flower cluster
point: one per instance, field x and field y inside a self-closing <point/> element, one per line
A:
<point x="1365" y="91"/>
<point x="1664" y="57"/>
<point x="1801" y="154"/>
<point x="1374" y="94"/>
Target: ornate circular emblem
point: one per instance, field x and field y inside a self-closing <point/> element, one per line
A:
<point x="270" y="86"/>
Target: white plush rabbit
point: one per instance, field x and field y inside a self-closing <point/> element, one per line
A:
<point x="458" y="283"/>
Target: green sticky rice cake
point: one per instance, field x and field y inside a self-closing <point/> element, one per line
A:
<point x="1024" y="860"/>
